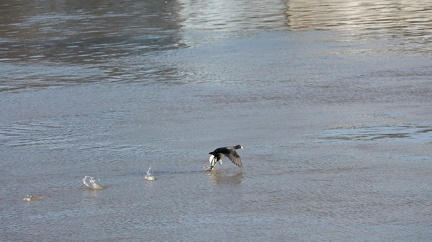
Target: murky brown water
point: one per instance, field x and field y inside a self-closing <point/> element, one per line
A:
<point x="331" y="100"/>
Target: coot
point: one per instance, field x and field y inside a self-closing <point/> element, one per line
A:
<point x="229" y="151"/>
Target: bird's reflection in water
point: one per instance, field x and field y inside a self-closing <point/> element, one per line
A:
<point x="225" y="178"/>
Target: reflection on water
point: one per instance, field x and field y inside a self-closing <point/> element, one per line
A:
<point x="78" y="41"/>
<point x="229" y="18"/>
<point x="225" y="178"/>
<point x="406" y="20"/>
<point x="80" y="32"/>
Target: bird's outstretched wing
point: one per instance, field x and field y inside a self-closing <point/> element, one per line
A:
<point x="235" y="158"/>
<point x="230" y="153"/>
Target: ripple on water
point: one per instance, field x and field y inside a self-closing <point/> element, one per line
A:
<point x="419" y="133"/>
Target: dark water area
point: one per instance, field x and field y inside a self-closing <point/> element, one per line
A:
<point x="331" y="100"/>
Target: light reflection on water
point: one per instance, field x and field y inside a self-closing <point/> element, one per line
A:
<point x="82" y="33"/>
<point x="224" y="178"/>
<point x="406" y="21"/>
<point x="78" y="42"/>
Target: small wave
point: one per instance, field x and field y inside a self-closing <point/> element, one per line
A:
<point x="406" y="132"/>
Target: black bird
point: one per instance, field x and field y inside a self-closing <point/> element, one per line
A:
<point x="229" y="151"/>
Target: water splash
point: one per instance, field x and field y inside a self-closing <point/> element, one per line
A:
<point x="213" y="161"/>
<point x="208" y="168"/>
<point x="30" y="198"/>
<point x="149" y="176"/>
<point x="89" y="179"/>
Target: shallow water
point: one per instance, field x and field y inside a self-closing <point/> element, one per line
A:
<point x="331" y="101"/>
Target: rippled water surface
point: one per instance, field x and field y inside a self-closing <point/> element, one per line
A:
<point x="331" y="100"/>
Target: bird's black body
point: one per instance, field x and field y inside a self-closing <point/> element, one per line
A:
<point x="229" y="151"/>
